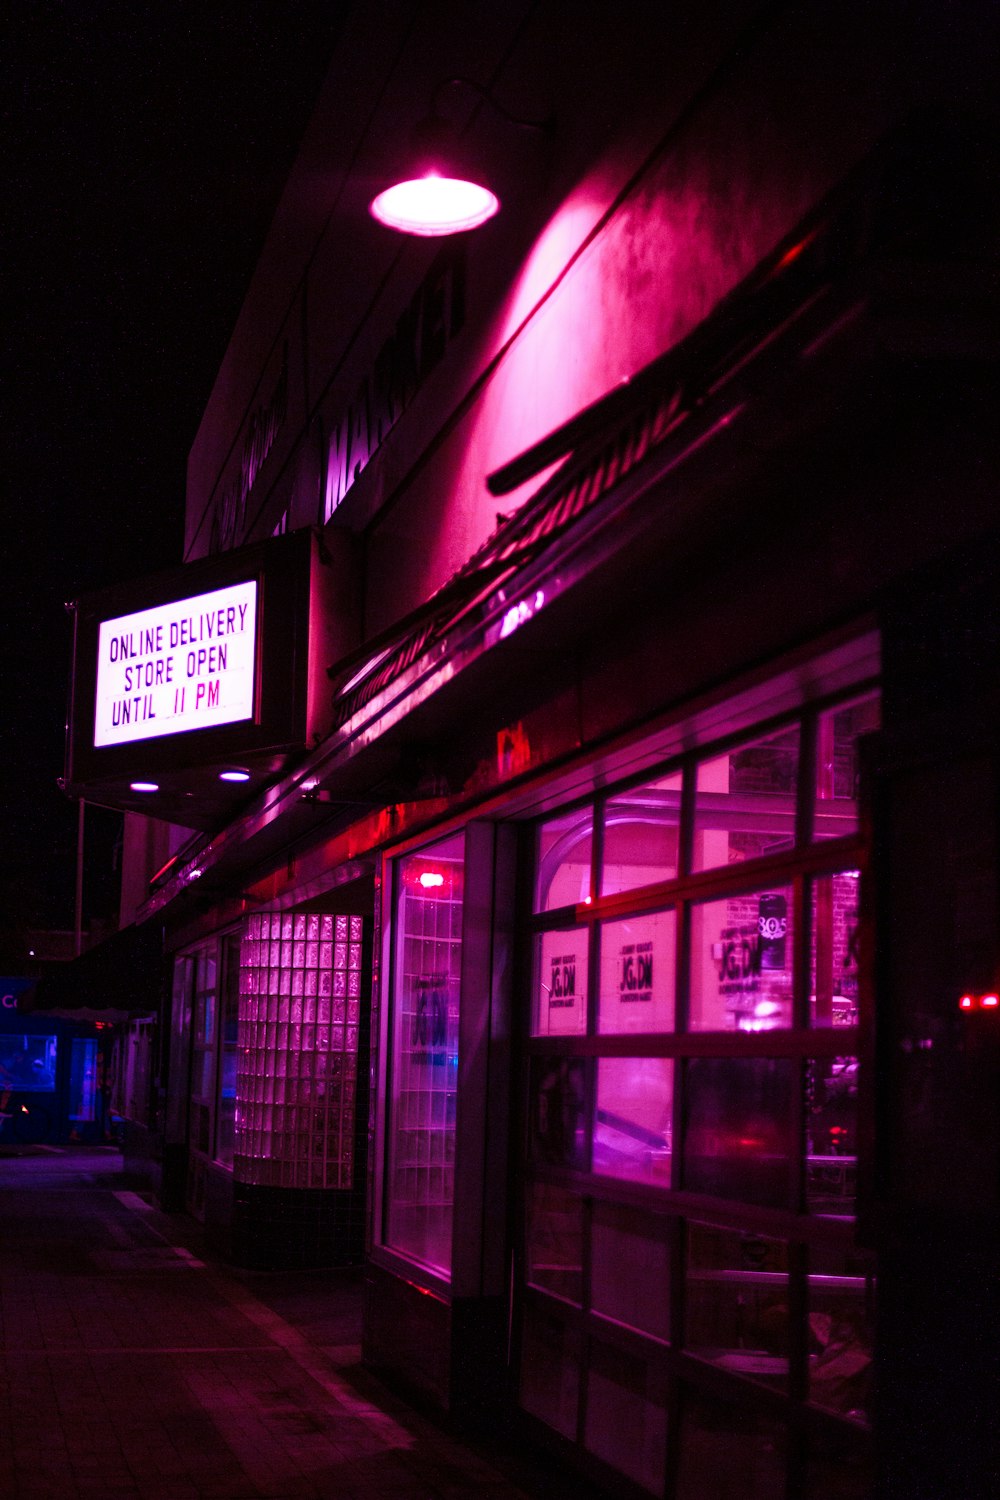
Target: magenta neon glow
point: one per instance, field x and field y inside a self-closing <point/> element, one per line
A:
<point x="144" y="786"/>
<point x="435" y="205"/>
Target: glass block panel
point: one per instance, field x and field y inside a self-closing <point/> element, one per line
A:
<point x="550" y="1369"/>
<point x="554" y="1249"/>
<point x="638" y="959"/>
<point x="841" y="1293"/>
<point x="736" y="1312"/>
<point x="833" y="955"/>
<point x="728" y="1451"/>
<point x="745" y="801"/>
<point x="626" y="1421"/>
<point x="634" y="1119"/>
<point x="292" y="1125"/>
<point x="630" y="1267"/>
<point x="738" y="1135"/>
<point x="839" y="734"/>
<point x="641" y="836"/>
<point x="560" y="982"/>
<point x="424" y="1051"/>
<point x="562" y="860"/>
<point x="741" y="962"/>
<point x="831" y="1135"/>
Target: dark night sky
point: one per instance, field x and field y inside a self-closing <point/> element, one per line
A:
<point x="146" y="144"/>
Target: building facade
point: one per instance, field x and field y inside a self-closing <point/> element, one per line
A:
<point x="599" y="942"/>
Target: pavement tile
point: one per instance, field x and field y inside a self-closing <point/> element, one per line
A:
<point x="131" y="1374"/>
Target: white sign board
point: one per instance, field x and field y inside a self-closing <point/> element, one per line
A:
<point x="186" y="665"/>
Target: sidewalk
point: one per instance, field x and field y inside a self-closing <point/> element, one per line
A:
<point x="133" y="1365"/>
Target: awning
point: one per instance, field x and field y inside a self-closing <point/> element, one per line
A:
<point x="119" y="978"/>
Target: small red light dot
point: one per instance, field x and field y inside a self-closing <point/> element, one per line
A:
<point x="988" y="1001"/>
<point x="966" y="1002"/>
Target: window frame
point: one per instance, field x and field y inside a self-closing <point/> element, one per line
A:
<point x="805" y="1232"/>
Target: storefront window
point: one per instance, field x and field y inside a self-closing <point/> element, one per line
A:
<point x="841" y="1324"/>
<point x="638" y="959"/>
<point x="563" y="853"/>
<point x="837" y="768"/>
<point x="424" y="1053"/>
<point x="741" y="962"/>
<point x="641" y="836"/>
<point x="555" y="1241"/>
<point x="626" y="1423"/>
<point x="746" y="801"/>
<point x="833" y="990"/>
<point x="831" y="1135"/>
<point x="722" y="941"/>
<point x="630" y="1267"/>
<point x="561" y="982"/>
<point x="738" y="1132"/>
<point x="737" y="1302"/>
<point x="634" y="1122"/>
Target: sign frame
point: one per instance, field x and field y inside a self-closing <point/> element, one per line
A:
<point x="279" y="570"/>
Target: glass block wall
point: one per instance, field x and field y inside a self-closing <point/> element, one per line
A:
<point x="296" y="1083"/>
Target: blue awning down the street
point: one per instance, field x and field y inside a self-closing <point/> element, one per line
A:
<point x="118" y="978"/>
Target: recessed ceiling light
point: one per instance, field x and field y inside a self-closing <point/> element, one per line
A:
<point x="234" y="775"/>
<point x="144" y="786"/>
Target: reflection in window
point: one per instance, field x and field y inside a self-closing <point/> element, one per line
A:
<point x="83" y="1079"/>
<point x="637" y="973"/>
<point x="738" y="1137"/>
<point x="562" y="860"/>
<point x="640" y="836"/>
<point x="728" y="1451"/>
<point x="745" y="801"/>
<point x="558" y="1111"/>
<point x="550" y="1369"/>
<point x="630" y="1267"/>
<point x="741" y="962"/>
<point x="841" y="1331"/>
<point x="633" y="1127"/>
<point x="426" y="991"/>
<point x="831" y="1135"/>
<point x="555" y="1241"/>
<point x="560" y="989"/>
<point x="837" y="765"/>
<point x="626" y="1414"/>
<point x="833" y="991"/>
<point x="27" y="1063"/>
<point x="737" y="1302"/>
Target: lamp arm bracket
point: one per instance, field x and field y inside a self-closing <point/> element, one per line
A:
<point x="546" y="126"/>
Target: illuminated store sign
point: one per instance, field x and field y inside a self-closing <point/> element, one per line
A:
<point x="186" y="665"/>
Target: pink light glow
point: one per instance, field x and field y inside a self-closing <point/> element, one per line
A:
<point x="435" y="205"/>
<point x="431" y="880"/>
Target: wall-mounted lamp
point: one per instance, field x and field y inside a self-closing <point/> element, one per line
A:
<point x="440" y="189"/>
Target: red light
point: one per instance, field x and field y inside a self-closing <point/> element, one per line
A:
<point x="431" y="880"/>
<point x="989" y="1001"/>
